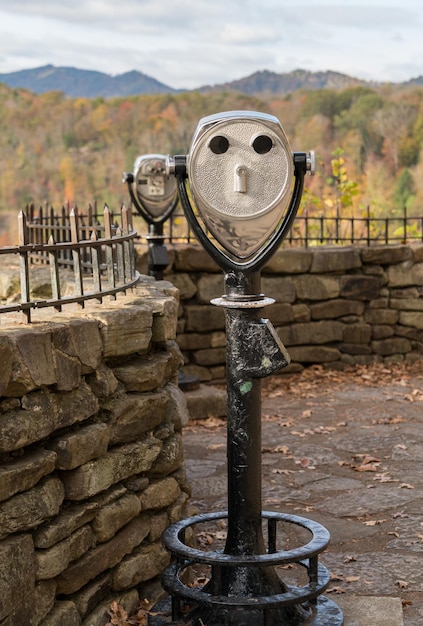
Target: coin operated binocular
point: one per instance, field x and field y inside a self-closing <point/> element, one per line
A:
<point x="246" y="186"/>
<point x="155" y="196"/>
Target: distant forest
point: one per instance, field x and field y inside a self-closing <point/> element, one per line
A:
<point x="368" y="144"/>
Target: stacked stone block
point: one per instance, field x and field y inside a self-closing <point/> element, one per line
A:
<point x="335" y="306"/>
<point x="91" y="458"/>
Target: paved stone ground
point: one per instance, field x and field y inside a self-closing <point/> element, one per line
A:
<point x="344" y="449"/>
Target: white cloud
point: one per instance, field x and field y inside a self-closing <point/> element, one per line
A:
<point x="190" y="43"/>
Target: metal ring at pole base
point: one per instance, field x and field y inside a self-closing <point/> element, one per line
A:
<point x="325" y="613"/>
<point x="208" y="606"/>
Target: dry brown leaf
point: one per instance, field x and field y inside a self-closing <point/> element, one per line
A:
<point x="366" y="467"/>
<point x="276" y="449"/>
<point x="205" y="538"/>
<point x="406" y="486"/>
<point x="198" y="582"/>
<point x="352" y="579"/>
<point x="140" y="619"/>
<point x="375" y="522"/>
<point x="388" y="420"/>
<point x="298" y="433"/>
<point x="272" y="501"/>
<point x="402" y="584"/>
<point x="336" y="590"/>
<point x="367" y="458"/>
<point x="400" y="514"/>
<point x="209" y="422"/>
<point x="385" y="478"/>
<point x="304" y="462"/>
<point x="324" y="430"/>
<point x="305" y="508"/>
<point x="119" y="617"/>
<point x="349" y="558"/>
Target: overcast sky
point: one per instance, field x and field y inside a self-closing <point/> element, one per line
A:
<point x="190" y="43"/>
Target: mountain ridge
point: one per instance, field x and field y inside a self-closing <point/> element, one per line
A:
<point x="74" y="82"/>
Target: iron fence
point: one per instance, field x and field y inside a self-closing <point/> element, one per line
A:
<point x="98" y="252"/>
<point x="308" y="229"/>
<point x="93" y="254"/>
<point x="316" y="230"/>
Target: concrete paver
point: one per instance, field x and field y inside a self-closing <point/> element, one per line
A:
<point x="346" y="450"/>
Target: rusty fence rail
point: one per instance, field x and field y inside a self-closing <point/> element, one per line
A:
<point x="95" y="257"/>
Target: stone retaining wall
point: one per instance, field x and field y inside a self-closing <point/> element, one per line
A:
<point x="91" y="458"/>
<point x="334" y="305"/>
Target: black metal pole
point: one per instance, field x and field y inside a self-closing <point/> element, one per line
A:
<point x="244" y="423"/>
<point x="158" y="258"/>
<point x="244" y="588"/>
<point x="252" y="352"/>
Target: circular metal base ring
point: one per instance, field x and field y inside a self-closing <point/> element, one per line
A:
<point x="173" y="584"/>
<point x="325" y="613"/>
<point x="173" y="540"/>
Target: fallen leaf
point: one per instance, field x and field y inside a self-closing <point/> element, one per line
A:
<point x="209" y="422"/>
<point x="388" y="420"/>
<point x="406" y="603"/>
<point x="349" y="558"/>
<point x="405" y="486"/>
<point x="220" y="534"/>
<point x="282" y="449"/>
<point x="140" y="619"/>
<point x="400" y="514"/>
<point x="366" y="467"/>
<point x="366" y="458"/>
<point x="352" y="579"/>
<point x="307" y="413"/>
<point x="287" y="424"/>
<point x="205" y="538"/>
<point x="402" y="584"/>
<point x="375" y="522"/>
<point x="198" y="582"/>
<point x="384" y="478"/>
<point x="304" y="462"/>
<point x="336" y="590"/>
<point x="119" y="617"/>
